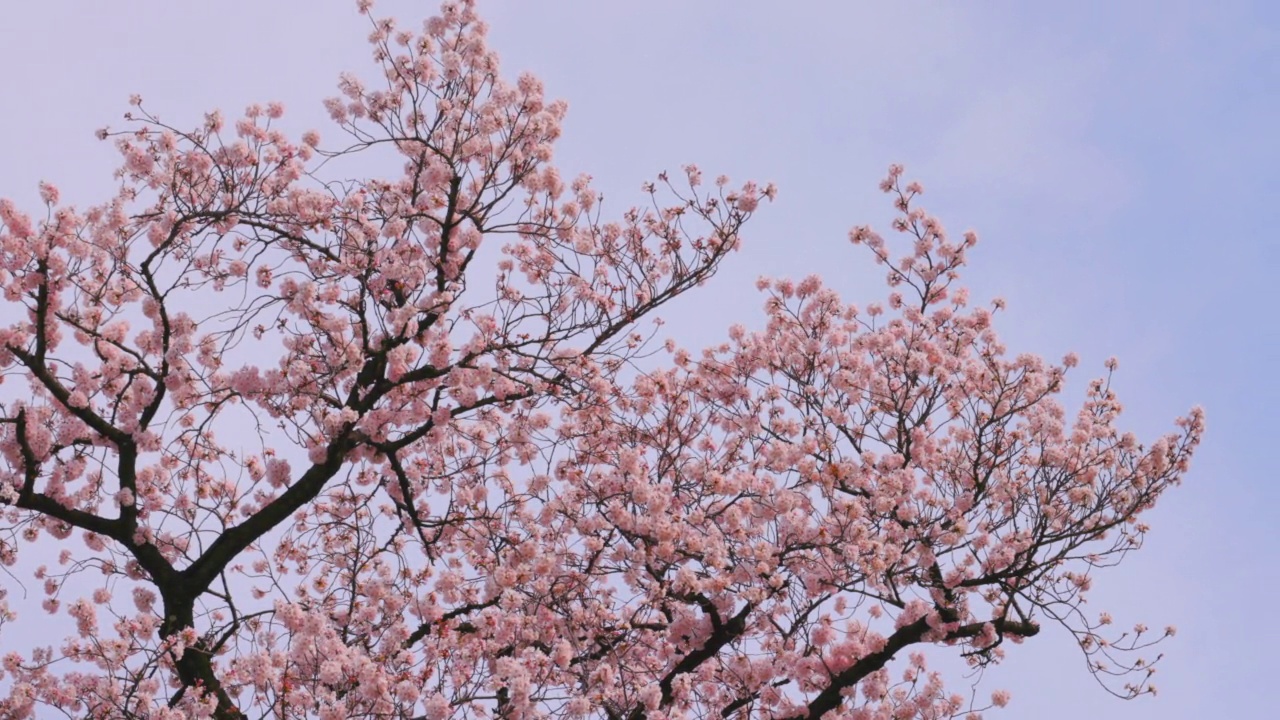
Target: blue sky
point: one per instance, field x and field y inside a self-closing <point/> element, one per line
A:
<point x="1119" y="161"/>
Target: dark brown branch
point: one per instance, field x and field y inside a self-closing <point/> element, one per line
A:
<point x="833" y="695"/>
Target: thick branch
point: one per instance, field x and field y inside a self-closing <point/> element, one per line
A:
<point x="231" y="543"/>
<point x="833" y="695"/>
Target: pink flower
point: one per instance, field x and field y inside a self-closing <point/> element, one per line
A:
<point x="48" y="193"/>
<point x="143" y="599"/>
<point x="437" y="707"/>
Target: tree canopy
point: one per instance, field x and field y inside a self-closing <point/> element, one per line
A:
<point x="311" y="446"/>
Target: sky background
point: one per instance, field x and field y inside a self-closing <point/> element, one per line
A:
<point x="1119" y="161"/>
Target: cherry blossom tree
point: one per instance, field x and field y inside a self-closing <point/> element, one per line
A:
<point x="317" y="447"/>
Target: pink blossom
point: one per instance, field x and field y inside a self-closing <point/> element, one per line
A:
<point x="49" y="193"/>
